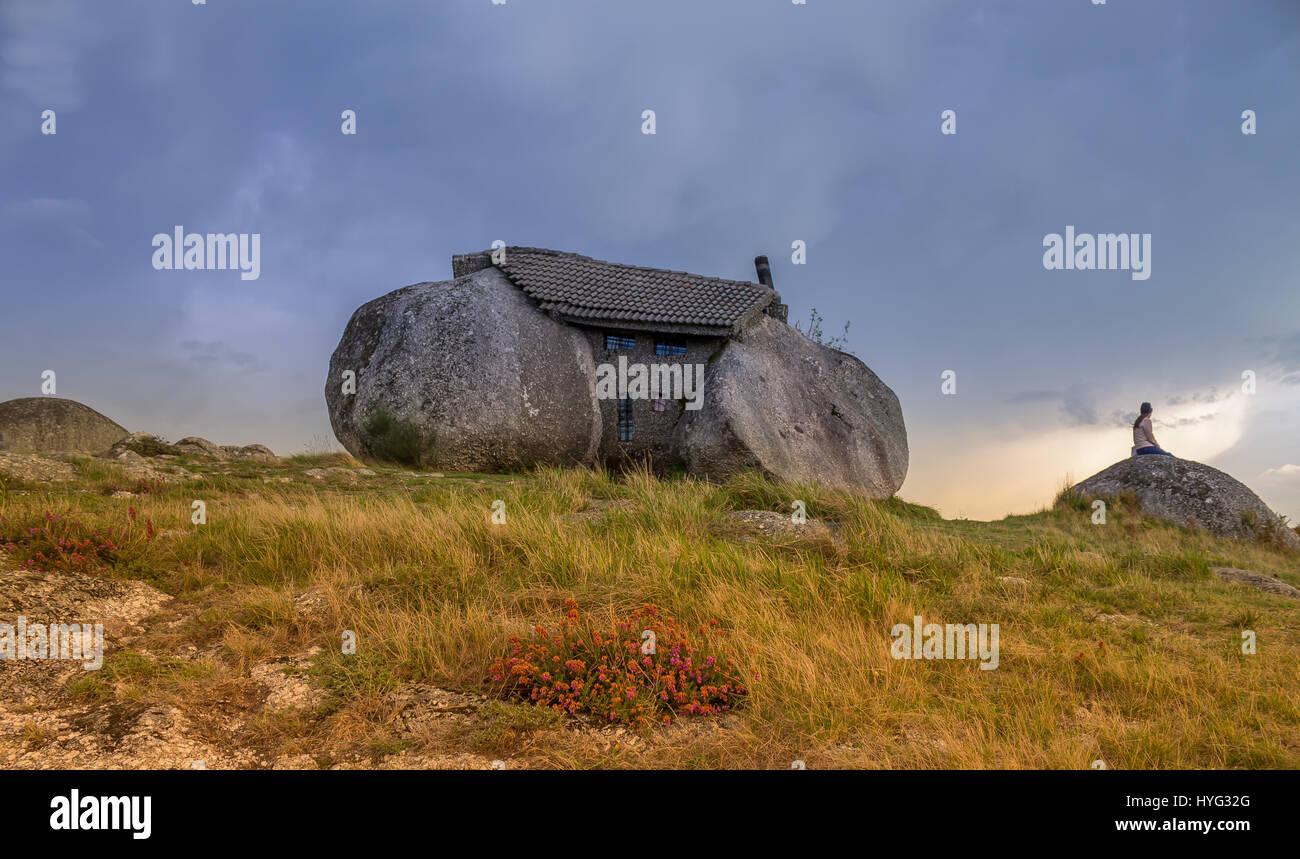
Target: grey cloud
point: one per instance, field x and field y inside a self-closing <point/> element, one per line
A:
<point x="1080" y="405"/>
<point x="1034" y="396"/>
<point x="41" y="51"/>
<point x="217" y="352"/>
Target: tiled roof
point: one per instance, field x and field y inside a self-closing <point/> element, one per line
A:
<point x="586" y="289"/>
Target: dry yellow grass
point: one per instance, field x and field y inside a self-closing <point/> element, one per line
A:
<point x="1116" y="644"/>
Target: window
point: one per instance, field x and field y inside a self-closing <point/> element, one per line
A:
<point x="615" y="342"/>
<point x="661" y="405"/>
<point x="668" y="347"/>
<point x="625" y="420"/>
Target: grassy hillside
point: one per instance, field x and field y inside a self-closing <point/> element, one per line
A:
<point x="1117" y="642"/>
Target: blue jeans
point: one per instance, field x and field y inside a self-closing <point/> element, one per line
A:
<point x="1153" y="449"/>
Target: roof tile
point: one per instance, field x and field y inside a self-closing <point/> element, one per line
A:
<point x="583" y="287"/>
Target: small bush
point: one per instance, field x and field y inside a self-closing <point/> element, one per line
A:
<point x="57" y="542"/>
<point x="1069" y="499"/>
<point x="814" y="332"/>
<point x="583" y="669"/>
<point x="335" y="459"/>
<point x="397" y="440"/>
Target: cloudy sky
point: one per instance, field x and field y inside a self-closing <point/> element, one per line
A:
<point x="775" y="123"/>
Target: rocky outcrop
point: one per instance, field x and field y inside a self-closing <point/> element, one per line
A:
<point x="1191" y="493"/>
<point x="1258" y="581"/>
<point x="137" y="446"/>
<point x="777" y="402"/>
<point x="143" y="445"/>
<point x="204" y="449"/>
<point x="254" y="452"/>
<point x="464" y="375"/>
<point x="54" y="425"/>
<point x="200" y="447"/>
<point x="31" y="468"/>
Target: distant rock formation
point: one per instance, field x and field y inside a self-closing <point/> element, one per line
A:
<point x="54" y="425"/>
<point x="1186" y="492"/>
<point x="201" y="447"/>
<point x="142" y="445"/>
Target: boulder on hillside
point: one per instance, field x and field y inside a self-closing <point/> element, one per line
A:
<point x="1186" y="492"/>
<point x="201" y="447"/>
<point x="254" y="452"/>
<point x="54" y="425"/>
<point x="138" y="445"/>
<point x="464" y="375"/>
<point x="796" y="410"/>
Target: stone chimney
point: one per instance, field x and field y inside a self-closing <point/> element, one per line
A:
<point x="776" y="309"/>
<point x="463" y="264"/>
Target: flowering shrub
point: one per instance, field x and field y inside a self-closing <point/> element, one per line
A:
<point x="57" y="542"/>
<point x="621" y="675"/>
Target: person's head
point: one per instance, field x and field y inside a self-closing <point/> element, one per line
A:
<point x="1143" y="414"/>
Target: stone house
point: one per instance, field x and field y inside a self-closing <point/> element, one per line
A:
<point x="499" y="368"/>
<point x="651" y="316"/>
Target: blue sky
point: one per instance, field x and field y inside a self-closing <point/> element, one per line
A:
<point x="775" y="122"/>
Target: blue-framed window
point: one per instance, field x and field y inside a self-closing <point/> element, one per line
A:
<point x="669" y="347"/>
<point x="625" y="420"/>
<point x="619" y="342"/>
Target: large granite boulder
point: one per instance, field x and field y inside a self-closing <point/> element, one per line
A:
<point x="54" y="425"/>
<point x="464" y="375"/>
<point x="1191" y="493"/>
<point x="777" y="402"/>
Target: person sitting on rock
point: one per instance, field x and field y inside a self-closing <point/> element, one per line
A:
<point x="1144" y="440"/>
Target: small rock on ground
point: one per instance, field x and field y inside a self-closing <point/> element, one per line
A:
<point x="1258" y="581"/>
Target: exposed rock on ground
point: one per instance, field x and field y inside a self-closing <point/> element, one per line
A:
<point x="351" y="475"/>
<point x="1258" y="581"/>
<point x="34" y="469"/>
<point x="77" y="597"/>
<point x="599" y="508"/>
<point x="768" y="523"/>
<point x="1186" y="492"/>
<point x="287" y="688"/>
<point x="54" y="425"/>
<point x="1124" y="620"/>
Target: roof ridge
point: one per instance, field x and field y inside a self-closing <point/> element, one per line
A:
<point x="551" y="252"/>
<point x="585" y="287"/>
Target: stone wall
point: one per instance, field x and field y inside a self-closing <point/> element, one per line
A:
<point x="652" y="431"/>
